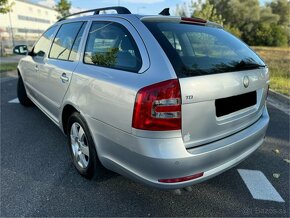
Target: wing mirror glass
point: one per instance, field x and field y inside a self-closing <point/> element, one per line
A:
<point x="20" y="50"/>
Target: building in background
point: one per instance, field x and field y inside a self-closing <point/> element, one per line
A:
<point x="25" y="23"/>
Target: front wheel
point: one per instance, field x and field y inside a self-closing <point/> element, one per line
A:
<point x="82" y="148"/>
<point x="21" y="93"/>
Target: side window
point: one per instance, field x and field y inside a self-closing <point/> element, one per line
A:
<point x="76" y="45"/>
<point x="111" y="45"/>
<point x="42" y="46"/>
<point x="64" y="40"/>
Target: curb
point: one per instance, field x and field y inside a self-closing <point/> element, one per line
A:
<point x="282" y="98"/>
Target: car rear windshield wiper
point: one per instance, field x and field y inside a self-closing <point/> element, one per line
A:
<point x="248" y="65"/>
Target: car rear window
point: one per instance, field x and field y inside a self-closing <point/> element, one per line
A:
<point x="201" y="50"/>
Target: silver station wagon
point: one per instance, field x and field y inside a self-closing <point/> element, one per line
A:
<point x="164" y="100"/>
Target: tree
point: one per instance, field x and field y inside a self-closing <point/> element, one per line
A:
<point x="281" y="8"/>
<point x="267" y="16"/>
<point x="279" y="36"/>
<point x="256" y="24"/>
<point x="199" y="9"/>
<point x="63" y="7"/>
<point x="253" y="21"/>
<point x="206" y="11"/>
<point x="239" y="13"/>
<point x="267" y="34"/>
<point x="181" y="10"/>
<point x="5" y="7"/>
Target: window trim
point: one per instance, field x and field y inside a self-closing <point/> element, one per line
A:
<point x="48" y="56"/>
<point x="80" y="45"/>
<point x="53" y="35"/>
<point x="113" y="68"/>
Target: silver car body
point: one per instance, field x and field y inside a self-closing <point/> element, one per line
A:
<point x="105" y="98"/>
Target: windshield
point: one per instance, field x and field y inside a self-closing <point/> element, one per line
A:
<point x="200" y="50"/>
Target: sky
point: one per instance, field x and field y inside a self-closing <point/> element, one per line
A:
<point x="135" y="6"/>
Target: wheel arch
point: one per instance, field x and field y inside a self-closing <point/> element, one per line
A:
<point x="18" y="72"/>
<point x="67" y="111"/>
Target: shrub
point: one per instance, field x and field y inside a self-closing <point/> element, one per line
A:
<point x="266" y="34"/>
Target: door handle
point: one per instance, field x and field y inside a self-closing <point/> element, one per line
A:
<point x="64" y="78"/>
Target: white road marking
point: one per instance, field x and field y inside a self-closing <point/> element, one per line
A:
<point x="259" y="186"/>
<point x="14" y="101"/>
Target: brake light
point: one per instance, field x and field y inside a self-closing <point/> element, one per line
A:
<point x="158" y="107"/>
<point x="193" y="20"/>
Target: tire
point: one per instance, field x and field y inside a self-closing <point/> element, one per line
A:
<point x="82" y="148"/>
<point x="21" y="93"/>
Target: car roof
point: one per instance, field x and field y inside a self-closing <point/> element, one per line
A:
<point x="148" y="18"/>
<point x="124" y="13"/>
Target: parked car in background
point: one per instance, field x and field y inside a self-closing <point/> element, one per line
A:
<point x="167" y="101"/>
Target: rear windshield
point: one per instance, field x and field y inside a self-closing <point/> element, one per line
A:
<point x="200" y="50"/>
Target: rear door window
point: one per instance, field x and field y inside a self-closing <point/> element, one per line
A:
<point x="110" y="44"/>
<point x="76" y="44"/>
<point x="65" y="40"/>
<point x="201" y="50"/>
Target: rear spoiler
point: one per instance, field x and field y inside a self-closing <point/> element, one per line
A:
<point x="175" y="19"/>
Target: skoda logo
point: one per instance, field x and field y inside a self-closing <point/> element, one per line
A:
<point x="246" y="81"/>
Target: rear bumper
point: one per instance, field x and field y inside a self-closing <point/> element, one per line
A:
<point x="147" y="160"/>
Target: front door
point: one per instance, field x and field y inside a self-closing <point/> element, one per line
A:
<point x="36" y="61"/>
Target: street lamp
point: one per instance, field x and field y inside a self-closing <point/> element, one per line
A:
<point x="11" y="29"/>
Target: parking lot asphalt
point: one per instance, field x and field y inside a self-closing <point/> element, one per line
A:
<point x="38" y="178"/>
<point x="11" y="59"/>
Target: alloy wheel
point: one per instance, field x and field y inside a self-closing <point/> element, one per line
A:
<point x="79" y="145"/>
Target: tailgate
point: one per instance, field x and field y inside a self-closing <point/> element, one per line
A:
<point x="216" y="106"/>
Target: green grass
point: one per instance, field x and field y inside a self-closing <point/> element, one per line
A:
<point x="278" y="60"/>
<point x="5" y="67"/>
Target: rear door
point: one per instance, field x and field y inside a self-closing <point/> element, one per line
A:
<point x="114" y="56"/>
<point x="223" y="82"/>
<point x="55" y="78"/>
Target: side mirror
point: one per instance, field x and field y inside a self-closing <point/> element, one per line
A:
<point x="20" y="50"/>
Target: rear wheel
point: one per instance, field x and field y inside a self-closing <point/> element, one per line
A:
<point x="21" y="93"/>
<point x="82" y="148"/>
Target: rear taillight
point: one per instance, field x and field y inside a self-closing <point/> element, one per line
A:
<point x="158" y="107"/>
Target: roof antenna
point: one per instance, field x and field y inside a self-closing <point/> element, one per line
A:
<point x="165" y="12"/>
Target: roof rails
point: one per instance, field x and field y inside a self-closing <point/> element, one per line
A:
<point x="119" y="10"/>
